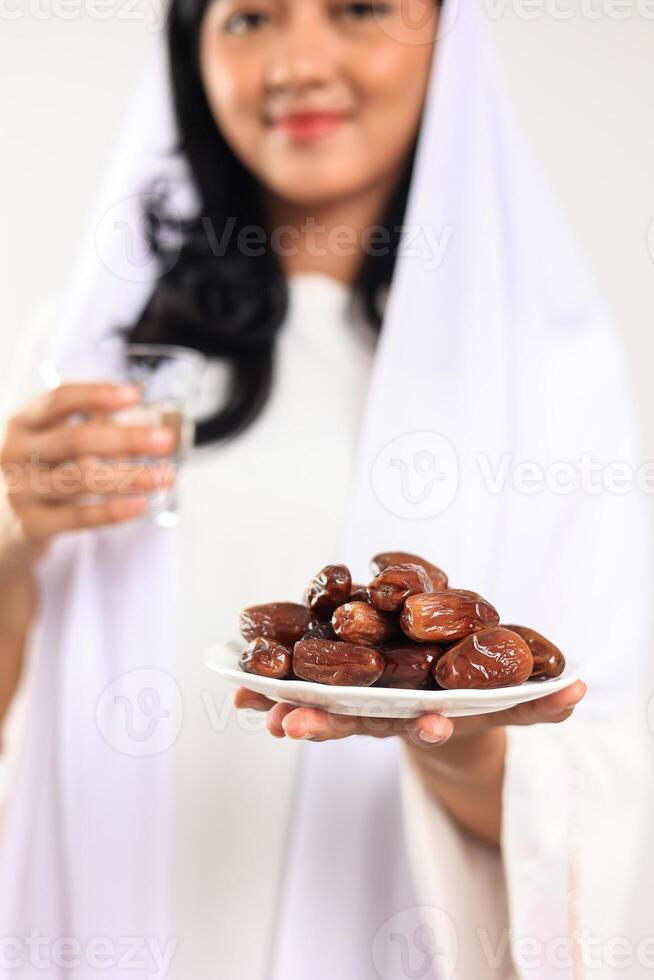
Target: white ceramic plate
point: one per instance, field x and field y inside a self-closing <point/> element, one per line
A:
<point x="379" y="702"/>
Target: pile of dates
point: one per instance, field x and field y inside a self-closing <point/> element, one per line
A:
<point x="405" y="629"/>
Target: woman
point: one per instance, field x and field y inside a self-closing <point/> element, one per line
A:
<point x="228" y="852"/>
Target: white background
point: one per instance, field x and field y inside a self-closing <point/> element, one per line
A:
<point x="582" y="79"/>
<point x="584" y="88"/>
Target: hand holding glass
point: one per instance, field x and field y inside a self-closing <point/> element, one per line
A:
<point x="168" y="377"/>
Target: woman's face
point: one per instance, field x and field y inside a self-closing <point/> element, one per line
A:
<point x="320" y="99"/>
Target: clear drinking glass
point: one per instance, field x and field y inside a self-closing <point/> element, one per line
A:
<point x="169" y="378"/>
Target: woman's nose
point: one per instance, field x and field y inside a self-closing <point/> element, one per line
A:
<point x="303" y="54"/>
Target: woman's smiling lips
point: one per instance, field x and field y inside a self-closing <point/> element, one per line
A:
<point x="303" y="126"/>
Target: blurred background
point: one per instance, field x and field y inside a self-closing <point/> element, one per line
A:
<point x="582" y="76"/>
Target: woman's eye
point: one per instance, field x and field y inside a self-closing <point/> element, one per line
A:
<point x="245" y="21"/>
<point x="363" y="9"/>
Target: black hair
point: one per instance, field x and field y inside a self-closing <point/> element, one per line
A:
<point x="231" y="305"/>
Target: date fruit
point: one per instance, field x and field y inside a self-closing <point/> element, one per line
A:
<point x="437" y="576"/>
<point x="282" y="621"/>
<point x="549" y="662"/>
<point x="409" y="666"/>
<point x="404" y="630"/>
<point x="359" y="622"/>
<point x="330" y="588"/>
<point x="320" y="631"/>
<point x="443" y="617"/>
<point x="389" y="590"/>
<point x="335" y="662"/>
<point x="491" y="658"/>
<point x="267" y="658"/>
<point x="359" y="593"/>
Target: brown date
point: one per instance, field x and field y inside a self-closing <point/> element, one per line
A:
<point x="549" y="662"/>
<point x="491" y="658"/>
<point x="268" y="658"/>
<point x="330" y="588"/>
<point x="335" y="662"/>
<point x="437" y="576"/>
<point x="409" y="666"/>
<point x="389" y="590"/>
<point x="358" y="622"/>
<point x="442" y="617"/>
<point x="282" y="621"/>
<point x="359" y="593"/>
<point x="320" y="631"/>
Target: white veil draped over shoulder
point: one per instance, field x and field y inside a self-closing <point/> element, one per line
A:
<point x="498" y="418"/>
<point x="498" y="399"/>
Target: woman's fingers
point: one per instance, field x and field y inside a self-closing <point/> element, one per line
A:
<point x="551" y="709"/>
<point x="276" y="716"/>
<point x="320" y="726"/>
<point x="250" y="699"/>
<point x="257" y="702"/>
<point x="87" y="476"/>
<point x="68" y="399"/>
<point x="46" y="461"/>
<point x="430" y="729"/>
<point x="42" y="521"/>
<point x="66" y="442"/>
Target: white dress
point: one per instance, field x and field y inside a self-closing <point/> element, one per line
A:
<point x="259" y="516"/>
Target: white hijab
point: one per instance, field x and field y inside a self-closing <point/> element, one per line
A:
<point x="497" y="351"/>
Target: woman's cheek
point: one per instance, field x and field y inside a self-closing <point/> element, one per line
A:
<point x="233" y="100"/>
<point x="226" y="82"/>
<point x="394" y="82"/>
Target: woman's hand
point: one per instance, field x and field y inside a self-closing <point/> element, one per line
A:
<point x="287" y="720"/>
<point x="48" y="464"/>
<point x="461" y="760"/>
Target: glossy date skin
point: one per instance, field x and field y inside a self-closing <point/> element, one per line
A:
<point x="285" y="622"/>
<point x="436" y="575"/>
<point x="389" y="590"/>
<point x="330" y="588"/>
<point x="409" y="666"/>
<point x="359" y="593"/>
<point x="267" y="658"/>
<point x="549" y="662"/>
<point x="337" y="663"/>
<point x="444" y="617"/>
<point x="491" y="658"/>
<point x="358" y="622"/>
<point x="320" y="631"/>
